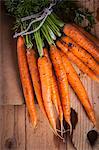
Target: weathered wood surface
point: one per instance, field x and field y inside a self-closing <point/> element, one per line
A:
<point x="16" y="132"/>
<point x="12" y="127"/>
<point x="9" y="77"/>
<point x="92" y="89"/>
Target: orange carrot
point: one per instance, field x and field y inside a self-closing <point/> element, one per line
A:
<point x="78" y="87"/>
<point x="33" y="68"/>
<point x="82" y="54"/>
<point x="26" y="81"/>
<point x="53" y="94"/>
<point x="45" y="51"/>
<point x="54" y="90"/>
<point x="82" y="40"/>
<point x="88" y="35"/>
<point x="77" y="61"/>
<point x="62" y="81"/>
<point x="45" y="77"/>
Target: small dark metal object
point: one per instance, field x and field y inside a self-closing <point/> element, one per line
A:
<point x="74" y="118"/>
<point x="92" y="136"/>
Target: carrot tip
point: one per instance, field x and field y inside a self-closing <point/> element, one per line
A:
<point x="70" y="129"/>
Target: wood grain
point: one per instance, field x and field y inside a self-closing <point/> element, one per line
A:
<point x="16" y="132"/>
<point x="10" y="89"/>
<point x="7" y="125"/>
<point x="84" y="125"/>
<point x="42" y="137"/>
<point x="12" y="123"/>
<point x="19" y="126"/>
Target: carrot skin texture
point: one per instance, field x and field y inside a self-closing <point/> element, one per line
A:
<point x="82" y="54"/>
<point x="33" y="68"/>
<point x="54" y="90"/>
<point x="53" y="96"/>
<point x="88" y="35"/>
<point x="45" y="77"/>
<point x="62" y="82"/>
<point x="77" y="61"/>
<point x="78" y="87"/>
<point x="82" y="40"/>
<point x="26" y="80"/>
<point x="46" y="54"/>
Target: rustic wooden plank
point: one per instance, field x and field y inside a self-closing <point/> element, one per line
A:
<point x="7" y="139"/>
<point x="41" y="138"/>
<point x="1" y="124"/>
<point x="73" y="99"/>
<point x="95" y="87"/>
<point x="12" y="122"/>
<point x="19" y="126"/>
<point x="84" y="125"/>
<point x="10" y="90"/>
<point x="96" y="10"/>
<point x="95" y="96"/>
<point x="12" y="127"/>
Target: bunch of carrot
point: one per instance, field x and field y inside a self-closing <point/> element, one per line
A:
<point x="50" y="75"/>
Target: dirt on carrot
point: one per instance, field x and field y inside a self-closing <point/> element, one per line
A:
<point x="81" y="54"/>
<point x="82" y="40"/>
<point x="84" y="68"/>
<point x="26" y="80"/>
<point x="33" y="68"/>
<point x="62" y="81"/>
<point x="78" y="87"/>
<point x="45" y="78"/>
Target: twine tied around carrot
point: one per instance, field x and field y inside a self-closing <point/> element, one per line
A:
<point x="41" y="16"/>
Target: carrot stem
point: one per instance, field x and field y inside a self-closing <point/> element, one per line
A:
<point x="46" y="34"/>
<point x="39" y="42"/>
<point x="56" y="20"/>
<point x="53" y="27"/>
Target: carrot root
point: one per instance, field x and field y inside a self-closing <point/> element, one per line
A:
<point x="55" y="92"/>
<point x="45" y="78"/>
<point x="81" y="54"/>
<point x="32" y="63"/>
<point x="78" y="87"/>
<point x="82" y="40"/>
<point x="62" y="81"/>
<point x="88" y="35"/>
<point x="77" y="61"/>
<point x="26" y="81"/>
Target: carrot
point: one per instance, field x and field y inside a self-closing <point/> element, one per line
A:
<point x="62" y="81"/>
<point x="78" y="87"/>
<point x="53" y="94"/>
<point x="82" y="54"/>
<point x="77" y="61"/>
<point x="82" y="40"/>
<point x="33" y="68"/>
<point x="46" y="54"/>
<point x="88" y="35"/>
<point x="54" y="90"/>
<point x="45" y="77"/>
<point x="26" y="81"/>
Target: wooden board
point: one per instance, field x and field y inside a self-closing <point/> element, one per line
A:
<point x="10" y="89"/>
<point x="12" y="123"/>
<point x="16" y="132"/>
<point x="92" y="88"/>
